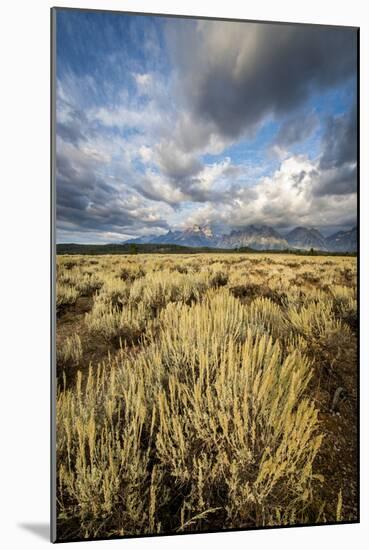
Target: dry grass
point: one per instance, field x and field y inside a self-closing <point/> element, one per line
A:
<point x="205" y="412"/>
<point x="70" y="351"/>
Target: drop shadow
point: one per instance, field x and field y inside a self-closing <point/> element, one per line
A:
<point x="42" y="530"/>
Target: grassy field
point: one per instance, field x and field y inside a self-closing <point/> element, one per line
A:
<point x="204" y="392"/>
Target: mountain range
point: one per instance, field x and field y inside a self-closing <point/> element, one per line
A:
<point x="258" y="237"/>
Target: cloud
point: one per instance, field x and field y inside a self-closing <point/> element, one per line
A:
<point x="124" y="117"/>
<point x="340" y="180"/>
<point x="69" y="132"/>
<point x="174" y="163"/>
<point x="155" y="187"/>
<point x="184" y="180"/>
<point x="296" y="128"/>
<point x="214" y="182"/>
<point x="234" y="75"/>
<point x="340" y="140"/>
<point x="100" y="186"/>
<point x="71" y="122"/>
<point x="89" y="199"/>
<point x="193" y="134"/>
<point x="338" y="161"/>
<point x="285" y="198"/>
<point x="146" y="153"/>
<point x="154" y="142"/>
<point x="143" y="82"/>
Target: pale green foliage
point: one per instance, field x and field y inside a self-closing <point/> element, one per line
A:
<point x="65" y="295"/>
<point x="70" y="351"/>
<point x="127" y="323"/>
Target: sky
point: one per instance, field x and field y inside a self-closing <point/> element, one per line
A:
<point x="163" y="123"/>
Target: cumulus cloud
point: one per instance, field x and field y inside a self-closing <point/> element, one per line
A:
<point x="285" y="198"/>
<point x="176" y="184"/>
<point x="155" y="187"/>
<point x="175" y="163"/>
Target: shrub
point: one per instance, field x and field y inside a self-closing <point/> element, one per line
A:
<point x="208" y="417"/>
<point x="65" y="295"/>
<point x="126" y="324"/>
<point x="131" y="272"/>
<point x="223" y="428"/>
<point x="219" y="278"/>
<point x="114" y="293"/>
<point x="70" y="351"/>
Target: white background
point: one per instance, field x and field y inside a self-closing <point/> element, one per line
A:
<point x="24" y="268"/>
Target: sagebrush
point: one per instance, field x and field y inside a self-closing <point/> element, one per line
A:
<point x="191" y="397"/>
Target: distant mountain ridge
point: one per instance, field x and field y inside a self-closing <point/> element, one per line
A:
<point x="305" y="238"/>
<point x="257" y="237"/>
<point x="343" y="240"/>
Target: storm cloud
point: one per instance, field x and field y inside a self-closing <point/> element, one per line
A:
<point x="340" y="140"/>
<point x="234" y="75"/>
<point x="338" y="162"/>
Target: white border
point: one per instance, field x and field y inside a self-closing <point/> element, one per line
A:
<point x="24" y="218"/>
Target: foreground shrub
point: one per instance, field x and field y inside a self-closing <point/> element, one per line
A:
<point x="103" y="475"/>
<point x="208" y="418"/>
<point x="114" y="293"/>
<point x="158" y="289"/>
<point x="87" y="284"/>
<point x="345" y="304"/>
<point x="127" y="324"/>
<point x="65" y="295"/>
<point x="208" y="425"/>
<point x="70" y="351"/>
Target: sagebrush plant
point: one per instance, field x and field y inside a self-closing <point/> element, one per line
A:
<point x="70" y="351"/>
<point x="65" y="295"/>
<point x="202" y="415"/>
<point x="126" y="323"/>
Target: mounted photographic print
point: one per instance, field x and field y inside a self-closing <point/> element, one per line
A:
<point x="204" y="275"/>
